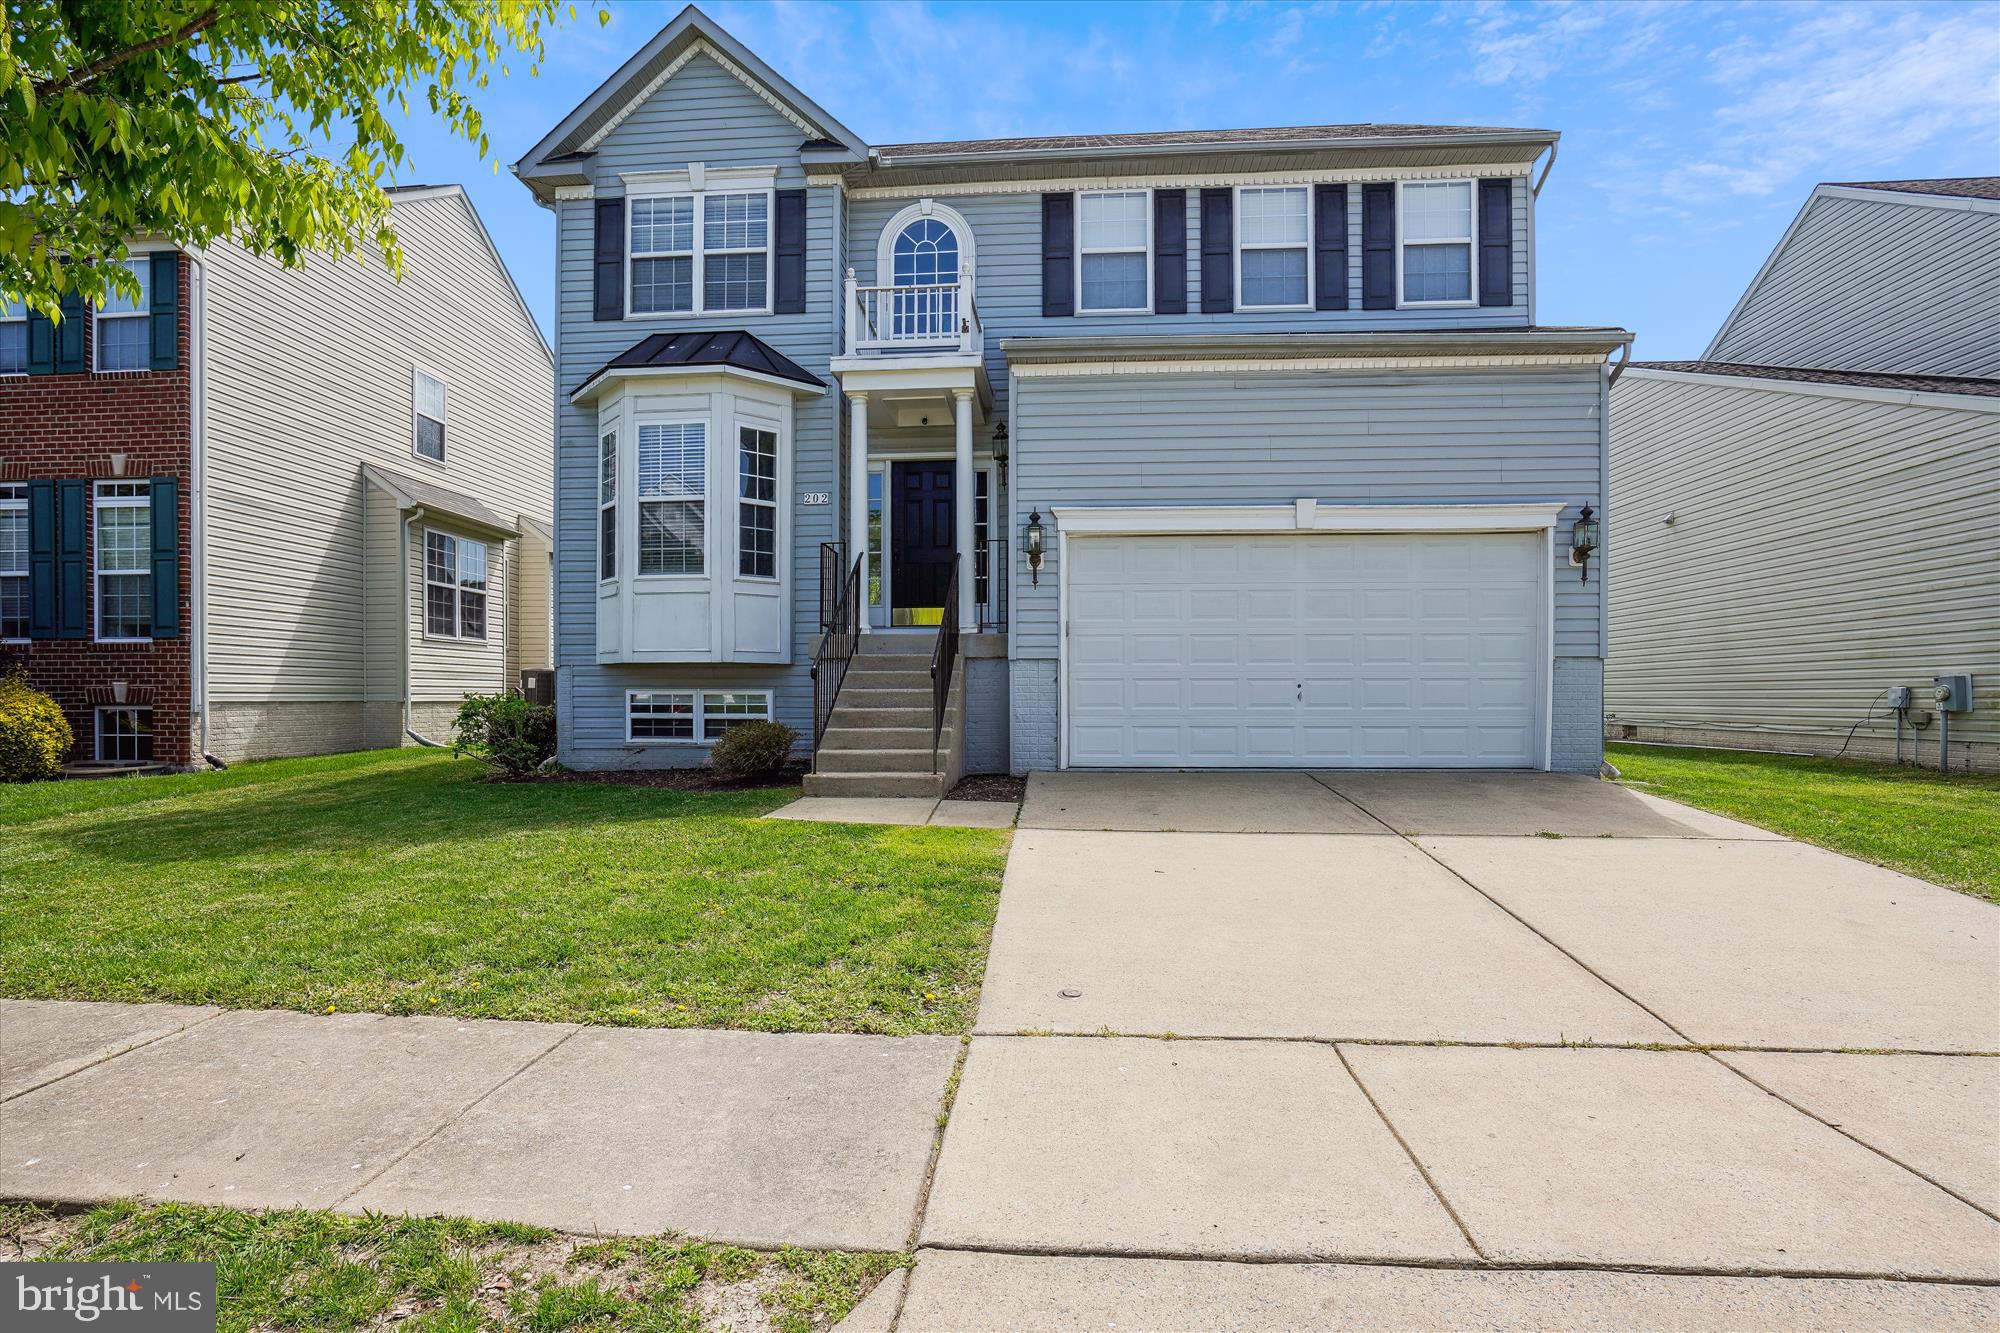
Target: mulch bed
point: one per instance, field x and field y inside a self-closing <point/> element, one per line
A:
<point x="990" y="787"/>
<point x="683" y="779"/>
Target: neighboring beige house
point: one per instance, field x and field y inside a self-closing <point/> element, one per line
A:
<point x="373" y="489"/>
<point x="1807" y="520"/>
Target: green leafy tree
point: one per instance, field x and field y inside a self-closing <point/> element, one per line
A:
<point x="195" y="120"/>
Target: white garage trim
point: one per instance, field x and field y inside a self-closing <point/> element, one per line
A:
<point x="1306" y="516"/>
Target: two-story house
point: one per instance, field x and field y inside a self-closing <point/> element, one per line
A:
<point x="1811" y="510"/>
<point x="263" y="511"/>
<point x="1209" y="448"/>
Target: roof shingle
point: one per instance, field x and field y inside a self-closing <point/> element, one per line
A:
<point x="693" y="351"/>
<point x="1957" y="187"/>
<point x="1275" y="135"/>
<point x="1860" y="379"/>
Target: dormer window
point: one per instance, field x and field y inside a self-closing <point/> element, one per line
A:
<point x="1435" y="243"/>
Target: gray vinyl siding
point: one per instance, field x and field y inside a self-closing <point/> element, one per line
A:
<point x="1007" y="233"/>
<point x="703" y="114"/>
<point x="308" y="376"/>
<point x="1462" y="437"/>
<point x="1822" y="548"/>
<point x="1877" y="284"/>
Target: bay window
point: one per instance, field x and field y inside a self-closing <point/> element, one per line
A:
<point x="124" y="325"/>
<point x="757" y="503"/>
<point x="1273" y="231"/>
<point x="673" y="498"/>
<point x="607" y="506"/>
<point x="1113" y="242"/>
<point x="454" y="587"/>
<point x="1435" y="239"/>
<point x="13" y="561"/>
<point x="122" y="520"/>
<point x="680" y="268"/>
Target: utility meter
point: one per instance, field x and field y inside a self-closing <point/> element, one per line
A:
<point x="1952" y="693"/>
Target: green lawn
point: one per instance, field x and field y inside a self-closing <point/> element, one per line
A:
<point x="403" y="881"/>
<point x="319" y="1271"/>
<point x="1944" y="827"/>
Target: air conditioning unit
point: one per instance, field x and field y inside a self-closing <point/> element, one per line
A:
<point x="538" y="686"/>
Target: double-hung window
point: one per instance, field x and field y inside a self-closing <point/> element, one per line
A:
<point x="1435" y="230"/>
<point x="757" y="502"/>
<point x="691" y="715"/>
<point x="673" y="498"/>
<point x="13" y="561"/>
<point x="1114" y="229"/>
<point x="454" y="587"/>
<point x="1273" y="232"/>
<point x="124" y="326"/>
<point x="13" y="337"/>
<point x="607" y="506"/>
<point x="700" y="253"/>
<point x="122" y="519"/>
<point x="427" y="416"/>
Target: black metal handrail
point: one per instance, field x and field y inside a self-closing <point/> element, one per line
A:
<point x="839" y="634"/>
<point x="989" y="584"/>
<point x="944" y="657"/>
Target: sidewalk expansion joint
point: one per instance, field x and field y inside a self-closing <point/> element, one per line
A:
<point x="1410" y="1153"/>
<point x="945" y="1105"/>
<point x="123" y="1050"/>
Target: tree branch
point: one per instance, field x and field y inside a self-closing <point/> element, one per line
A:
<point x="85" y="73"/>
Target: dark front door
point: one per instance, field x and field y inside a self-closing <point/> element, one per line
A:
<point x="920" y="541"/>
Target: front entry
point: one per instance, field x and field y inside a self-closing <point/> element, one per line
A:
<point x="920" y="541"/>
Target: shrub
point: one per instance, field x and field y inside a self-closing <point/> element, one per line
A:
<point x="34" y="735"/>
<point x="753" y="750"/>
<point x="505" y="730"/>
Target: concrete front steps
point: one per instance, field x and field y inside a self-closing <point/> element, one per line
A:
<point x="878" y="741"/>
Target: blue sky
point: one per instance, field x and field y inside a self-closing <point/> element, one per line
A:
<point x="1691" y="131"/>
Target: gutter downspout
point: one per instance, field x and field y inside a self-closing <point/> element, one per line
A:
<point x="1624" y="359"/>
<point x="1547" y="167"/>
<point x="409" y="720"/>
<point x="198" y="497"/>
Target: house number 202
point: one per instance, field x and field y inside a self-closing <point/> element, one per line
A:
<point x="816" y="498"/>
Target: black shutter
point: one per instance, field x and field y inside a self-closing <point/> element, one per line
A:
<point x="72" y="563"/>
<point x="166" y="310"/>
<point x="1170" y="252"/>
<point x="788" y="282"/>
<point x="41" y="344"/>
<point x="69" y="336"/>
<point x="1496" y="242"/>
<point x="1218" y="265"/>
<point x="608" y="300"/>
<point x="1378" y="247"/>
<point x="1330" y="247"/>
<point x="1058" y="255"/>
<point x="41" y="559"/>
<point x="166" y="558"/>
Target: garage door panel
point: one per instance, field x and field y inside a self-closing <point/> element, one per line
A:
<point x="1419" y="649"/>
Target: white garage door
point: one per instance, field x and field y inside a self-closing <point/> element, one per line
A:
<point x="1316" y="649"/>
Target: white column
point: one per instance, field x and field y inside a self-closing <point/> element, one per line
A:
<point x="962" y="491"/>
<point x="857" y="495"/>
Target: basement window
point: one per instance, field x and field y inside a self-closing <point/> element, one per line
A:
<point x="125" y="735"/>
<point x="691" y="716"/>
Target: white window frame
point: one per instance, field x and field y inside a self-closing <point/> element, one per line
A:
<point x="607" y="499"/>
<point x="698" y="303"/>
<point x="7" y="316"/>
<point x="458" y="588"/>
<point x="14" y="499"/>
<point x="98" y="316"/>
<point x="639" y="499"/>
<point x="1471" y="244"/>
<point x="99" y="502"/>
<point x="1238" y="247"/>
<point x="1082" y="250"/>
<point x="418" y="374"/>
<point x="97" y="715"/>
<point x="699" y="720"/>
<point x="777" y="490"/>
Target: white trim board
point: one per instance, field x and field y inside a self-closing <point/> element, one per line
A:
<point x="1245" y="365"/>
<point x="1305" y="516"/>
<point x="1182" y="180"/>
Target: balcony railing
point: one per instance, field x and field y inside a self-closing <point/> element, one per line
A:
<point x="931" y="317"/>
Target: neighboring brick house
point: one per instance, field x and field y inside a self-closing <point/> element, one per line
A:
<point x="206" y="495"/>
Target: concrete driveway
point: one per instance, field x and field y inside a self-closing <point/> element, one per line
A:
<point x="1247" y="1037"/>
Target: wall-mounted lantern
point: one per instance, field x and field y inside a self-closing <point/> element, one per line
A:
<point x="1032" y="544"/>
<point x="1000" y="447"/>
<point x="1583" y="541"/>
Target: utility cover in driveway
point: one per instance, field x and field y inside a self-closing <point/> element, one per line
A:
<point x="1316" y="649"/>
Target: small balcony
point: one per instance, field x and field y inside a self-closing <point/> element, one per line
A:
<point x="924" y="320"/>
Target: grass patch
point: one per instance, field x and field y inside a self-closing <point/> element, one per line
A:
<point x="403" y="881"/>
<point x="1943" y="827"/>
<point x="323" y="1271"/>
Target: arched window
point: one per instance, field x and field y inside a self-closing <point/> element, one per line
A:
<point x="926" y="253"/>
<point x="927" y="248"/>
